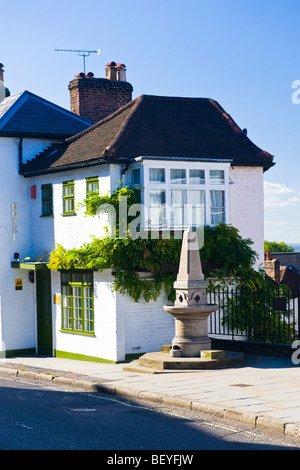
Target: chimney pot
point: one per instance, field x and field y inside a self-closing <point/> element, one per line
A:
<point x="111" y="71"/>
<point x="89" y="75"/>
<point x="1" y="74"/>
<point x="121" y="72"/>
<point x="80" y="75"/>
<point x="4" y="92"/>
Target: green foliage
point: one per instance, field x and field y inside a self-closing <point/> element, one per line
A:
<point x="225" y="253"/>
<point x="275" y="247"/>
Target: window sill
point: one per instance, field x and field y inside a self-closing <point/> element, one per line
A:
<point x="47" y="216"/>
<point x="68" y="215"/>
<point x="81" y="333"/>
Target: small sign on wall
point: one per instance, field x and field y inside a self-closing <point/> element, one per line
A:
<point x="18" y="284"/>
<point x="56" y="299"/>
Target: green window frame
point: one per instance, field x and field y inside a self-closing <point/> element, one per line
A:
<point x="77" y="305"/>
<point x="92" y="186"/>
<point x="68" y="198"/>
<point x="47" y="200"/>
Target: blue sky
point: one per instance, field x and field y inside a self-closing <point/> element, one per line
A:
<point x="242" y="53"/>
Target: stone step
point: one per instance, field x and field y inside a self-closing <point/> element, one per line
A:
<point x="162" y="361"/>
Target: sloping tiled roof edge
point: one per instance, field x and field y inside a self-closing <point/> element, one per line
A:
<point x="71" y="139"/>
<point x="266" y="156"/>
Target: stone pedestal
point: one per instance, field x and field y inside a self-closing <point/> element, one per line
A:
<point x="190" y="309"/>
<point x="191" y="346"/>
<point x="190" y="329"/>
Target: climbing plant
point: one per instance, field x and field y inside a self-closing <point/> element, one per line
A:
<point x="224" y="254"/>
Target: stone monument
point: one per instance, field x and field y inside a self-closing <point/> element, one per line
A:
<point x="191" y="346"/>
<point x="190" y="309"/>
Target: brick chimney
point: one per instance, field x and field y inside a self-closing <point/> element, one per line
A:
<point x="4" y="92"/>
<point x="272" y="268"/>
<point x="95" y="98"/>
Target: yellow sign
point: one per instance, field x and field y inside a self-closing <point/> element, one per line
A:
<point x="56" y="299"/>
<point x="18" y="284"/>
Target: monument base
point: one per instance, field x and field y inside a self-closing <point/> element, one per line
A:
<point x="189" y="347"/>
<point x="160" y="361"/>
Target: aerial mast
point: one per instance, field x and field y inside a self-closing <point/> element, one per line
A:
<point x="82" y="53"/>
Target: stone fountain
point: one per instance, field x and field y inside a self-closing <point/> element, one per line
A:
<point x="191" y="345"/>
<point x="190" y="309"/>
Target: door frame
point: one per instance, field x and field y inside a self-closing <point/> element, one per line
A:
<point x="44" y="312"/>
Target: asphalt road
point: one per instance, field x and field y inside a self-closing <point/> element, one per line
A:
<point x="39" y="417"/>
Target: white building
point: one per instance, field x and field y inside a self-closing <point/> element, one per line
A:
<point x="180" y="150"/>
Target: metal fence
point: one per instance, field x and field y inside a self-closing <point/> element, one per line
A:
<point x="259" y="315"/>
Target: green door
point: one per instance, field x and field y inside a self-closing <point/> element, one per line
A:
<point x="44" y="312"/>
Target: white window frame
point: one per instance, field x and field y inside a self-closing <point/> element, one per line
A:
<point x="168" y="186"/>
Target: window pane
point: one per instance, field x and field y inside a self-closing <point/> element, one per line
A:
<point x="178" y="202"/>
<point x="216" y="176"/>
<point x="77" y="302"/>
<point x="157" y="205"/>
<point x="156" y="175"/>
<point x="178" y="176"/>
<point x="68" y="190"/>
<point x="135" y="176"/>
<point x="65" y="277"/>
<point x="197" y="177"/>
<point x="47" y="208"/>
<point x="217" y="207"/>
<point x="68" y="198"/>
<point x="197" y="201"/>
<point x="69" y="205"/>
<point x="92" y="187"/>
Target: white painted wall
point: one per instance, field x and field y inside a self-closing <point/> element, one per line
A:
<point x="147" y="325"/>
<point x="17" y="307"/>
<point x="121" y="325"/>
<point x="247" y="205"/>
<point x="70" y="231"/>
<point x="104" y="342"/>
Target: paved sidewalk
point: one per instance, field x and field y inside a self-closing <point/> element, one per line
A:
<point x="263" y="392"/>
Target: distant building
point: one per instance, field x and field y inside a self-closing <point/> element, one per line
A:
<point x="284" y="268"/>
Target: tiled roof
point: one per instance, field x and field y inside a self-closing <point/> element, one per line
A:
<point x="184" y="128"/>
<point x="27" y="114"/>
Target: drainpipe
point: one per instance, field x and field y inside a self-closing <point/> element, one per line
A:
<point x="20" y="154"/>
<point x="125" y="170"/>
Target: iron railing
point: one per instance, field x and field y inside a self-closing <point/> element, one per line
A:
<point x="268" y="315"/>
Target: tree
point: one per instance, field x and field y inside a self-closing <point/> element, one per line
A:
<point x="275" y="247"/>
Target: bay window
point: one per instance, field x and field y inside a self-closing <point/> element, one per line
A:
<point x="217" y="207"/>
<point x="157" y="207"/>
<point x="178" y="207"/>
<point x="178" y="197"/>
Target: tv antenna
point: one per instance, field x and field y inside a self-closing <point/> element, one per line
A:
<point x="81" y="53"/>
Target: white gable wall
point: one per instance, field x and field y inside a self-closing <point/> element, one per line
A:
<point x="17" y="307"/>
<point x="247" y="205"/>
